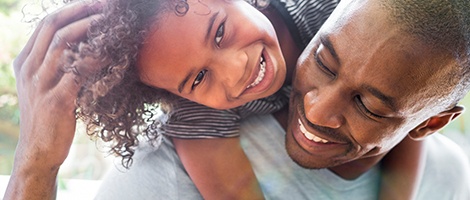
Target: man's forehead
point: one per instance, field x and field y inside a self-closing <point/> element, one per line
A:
<point x="396" y="65"/>
<point x="348" y="10"/>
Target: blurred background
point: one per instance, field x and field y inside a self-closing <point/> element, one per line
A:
<point x="85" y="162"/>
<point x="79" y="176"/>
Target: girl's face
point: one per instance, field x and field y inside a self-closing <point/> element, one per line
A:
<point x="220" y="53"/>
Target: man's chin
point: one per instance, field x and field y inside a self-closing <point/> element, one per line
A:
<point x="303" y="159"/>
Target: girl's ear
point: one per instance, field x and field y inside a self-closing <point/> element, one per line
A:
<point x="435" y="123"/>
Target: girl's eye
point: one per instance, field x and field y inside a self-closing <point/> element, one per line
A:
<point x="199" y="78"/>
<point x="364" y="109"/>
<point x="219" y="35"/>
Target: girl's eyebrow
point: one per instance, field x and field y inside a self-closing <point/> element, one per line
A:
<point x="208" y="33"/>
<point x="209" y="28"/>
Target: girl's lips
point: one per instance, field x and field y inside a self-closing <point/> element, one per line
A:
<point x="263" y="77"/>
<point x="261" y="72"/>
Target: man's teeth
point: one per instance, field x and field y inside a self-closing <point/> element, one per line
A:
<point x="262" y="70"/>
<point x="309" y="135"/>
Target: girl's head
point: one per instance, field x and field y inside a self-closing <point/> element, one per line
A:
<point x="221" y="53"/>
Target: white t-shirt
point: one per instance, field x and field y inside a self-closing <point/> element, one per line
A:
<point x="159" y="174"/>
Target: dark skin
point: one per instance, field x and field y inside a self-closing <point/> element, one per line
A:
<point x="340" y="118"/>
<point x="225" y="172"/>
<point x="397" y="176"/>
<point x="215" y="175"/>
<point x="46" y="135"/>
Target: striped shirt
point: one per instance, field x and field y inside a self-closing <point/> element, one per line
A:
<point x="189" y="120"/>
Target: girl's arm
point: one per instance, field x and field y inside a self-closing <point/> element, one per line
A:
<point x="402" y="170"/>
<point x="219" y="168"/>
<point x="208" y="145"/>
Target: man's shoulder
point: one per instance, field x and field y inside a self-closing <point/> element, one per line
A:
<point x="445" y="154"/>
<point x="447" y="170"/>
<point x="442" y="148"/>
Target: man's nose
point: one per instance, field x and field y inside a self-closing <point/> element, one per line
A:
<point x="324" y="109"/>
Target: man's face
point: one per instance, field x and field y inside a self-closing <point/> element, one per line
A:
<point x="359" y="88"/>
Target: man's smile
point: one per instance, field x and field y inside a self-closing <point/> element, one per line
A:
<point x="310" y="135"/>
<point x="317" y="140"/>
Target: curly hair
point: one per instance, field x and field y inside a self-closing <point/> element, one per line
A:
<point x="114" y="104"/>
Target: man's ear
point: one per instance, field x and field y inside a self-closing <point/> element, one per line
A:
<point x="435" y="123"/>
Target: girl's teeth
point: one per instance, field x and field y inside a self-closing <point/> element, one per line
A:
<point x="261" y="72"/>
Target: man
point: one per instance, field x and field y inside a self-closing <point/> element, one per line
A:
<point x="362" y="85"/>
<point x="384" y="70"/>
<point x="377" y="72"/>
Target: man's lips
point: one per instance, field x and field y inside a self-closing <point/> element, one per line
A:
<point x="319" y="134"/>
<point x="314" y="143"/>
<point x="310" y="135"/>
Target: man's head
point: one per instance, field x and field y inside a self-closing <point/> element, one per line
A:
<point x="377" y="71"/>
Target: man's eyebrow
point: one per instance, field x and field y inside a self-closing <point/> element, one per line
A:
<point x="387" y="100"/>
<point x="183" y="82"/>
<point x="325" y="40"/>
<point x="209" y="27"/>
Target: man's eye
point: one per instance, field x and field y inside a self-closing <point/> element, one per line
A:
<point x="364" y="109"/>
<point x="219" y="35"/>
<point x="323" y="66"/>
<point x="199" y="78"/>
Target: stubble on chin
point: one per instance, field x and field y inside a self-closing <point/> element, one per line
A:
<point x="299" y="156"/>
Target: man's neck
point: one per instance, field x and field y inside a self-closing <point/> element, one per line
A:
<point x="281" y="116"/>
<point x="354" y="169"/>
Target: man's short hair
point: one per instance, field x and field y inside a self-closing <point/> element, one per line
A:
<point x="443" y="25"/>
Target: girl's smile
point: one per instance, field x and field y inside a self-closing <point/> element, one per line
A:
<point x="221" y="54"/>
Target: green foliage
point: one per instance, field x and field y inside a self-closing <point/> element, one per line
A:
<point x="6" y="6"/>
<point x="13" y="36"/>
<point x="462" y="123"/>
